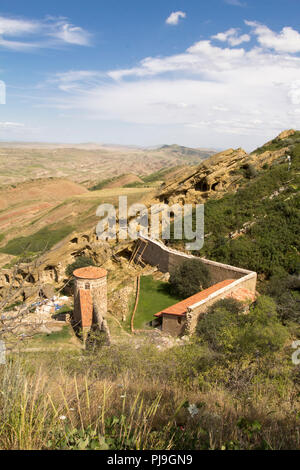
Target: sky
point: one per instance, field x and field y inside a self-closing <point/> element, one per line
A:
<point x="199" y="73"/>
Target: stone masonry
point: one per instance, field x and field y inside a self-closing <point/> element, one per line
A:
<point x="90" y="299"/>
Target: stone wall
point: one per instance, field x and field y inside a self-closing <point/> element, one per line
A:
<point x="247" y="282"/>
<point x="166" y="259"/>
<point x="174" y="325"/>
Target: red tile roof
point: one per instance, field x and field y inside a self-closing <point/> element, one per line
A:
<point x="86" y="307"/>
<point x="90" y="272"/>
<point x="180" y="308"/>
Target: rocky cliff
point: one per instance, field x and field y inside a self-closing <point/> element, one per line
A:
<point x="220" y="173"/>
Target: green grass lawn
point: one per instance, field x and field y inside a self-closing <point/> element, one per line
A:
<point x="154" y="297"/>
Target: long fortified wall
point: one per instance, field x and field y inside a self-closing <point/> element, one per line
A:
<point x="155" y="253"/>
<point x="166" y="259"/>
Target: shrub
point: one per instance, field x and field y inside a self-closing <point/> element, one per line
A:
<point x="219" y="329"/>
<point x="189" y="278"/>
<point x="231" y="305"/>
<point x="80" y="262"/>
<point x="286" y="291"/>
<point x="250" y="171"/>
<point x="257" y="333"/>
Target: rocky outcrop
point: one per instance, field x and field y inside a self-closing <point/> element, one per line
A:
<point x="48" y="271"/>
<point x="217" y="175"/>
<point x="286" y="134"/>
<point x="119" y="301"/>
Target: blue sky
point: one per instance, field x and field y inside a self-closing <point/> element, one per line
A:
<point x="214" y="73"/>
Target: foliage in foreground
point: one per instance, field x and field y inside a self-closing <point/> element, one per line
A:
<point x="232" y="387"/>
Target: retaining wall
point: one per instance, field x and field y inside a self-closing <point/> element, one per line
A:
<point x="194" y="311"/>
<point x="166" y="259"/>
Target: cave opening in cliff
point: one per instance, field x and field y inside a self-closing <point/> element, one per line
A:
<point x="202" y="186"/>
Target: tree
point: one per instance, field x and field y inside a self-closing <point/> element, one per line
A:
<point x="189" y="278"/>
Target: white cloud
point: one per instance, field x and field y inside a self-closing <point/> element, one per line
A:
<point x="35" y="34"/>
<point x="174" y="17"/>
<point x="15" y="27"/>
<point x="71" y="34"/>
<point x="232" y="37"/>
<point x="288" y="40"/>
<point x="18" y="45"/>
<point x="10" y="130"/>
<point x="75" y="79"/>
<point x="10" y="125"/>
<point x="294" y="93"/>
<point x="201" y="57"/>
<point x="204" y="91"/>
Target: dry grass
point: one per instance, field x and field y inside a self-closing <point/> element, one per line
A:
<point x="87" y="402"/>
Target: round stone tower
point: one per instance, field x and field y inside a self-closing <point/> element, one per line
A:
<point x="90" y="297"/>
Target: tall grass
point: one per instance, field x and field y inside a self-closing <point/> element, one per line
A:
<point x="74" y="402"/>
<point x="71" y="413"/>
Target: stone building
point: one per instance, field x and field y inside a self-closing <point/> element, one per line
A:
<point x="90" y="300"/>
<point x="228" y="281"/>
<point x="181" y="318"/>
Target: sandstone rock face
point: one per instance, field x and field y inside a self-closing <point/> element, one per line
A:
<point x="48" y="291"/>
<point x="286" y="134"/>
<point x="213" y="177"/>
<point x="119" y="302"/>
<point x="217" y="175"/>
<point x="259" y="160"/>
<point x="49" y="270"/>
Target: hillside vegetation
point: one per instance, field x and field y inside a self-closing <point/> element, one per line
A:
<point x="231" y="387"/>
<point x="257" y="227"/>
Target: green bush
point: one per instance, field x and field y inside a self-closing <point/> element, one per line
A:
<point x="259" y="332"/>
<point x="189" y="278"/>
<point x="286" y="291"/>
<point x="219" y="329"/>
<point x="231" y="305"/>
<point x="80" y="262"/>
<point x="250" y="171"/>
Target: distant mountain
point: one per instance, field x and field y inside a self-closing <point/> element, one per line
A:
<point x="180" y="150"/>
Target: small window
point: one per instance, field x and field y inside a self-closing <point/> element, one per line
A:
<point x="87" y="286"/>
<point x="179" y="320"/>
